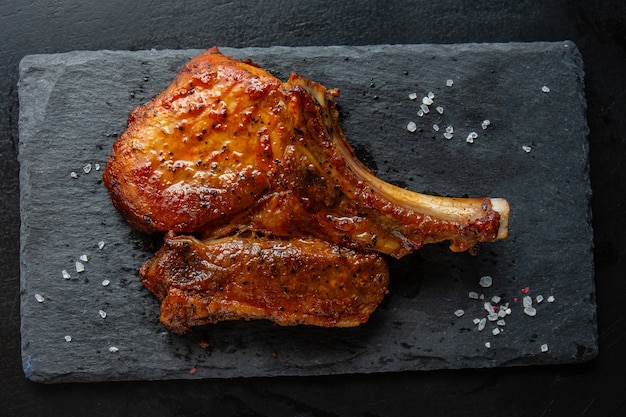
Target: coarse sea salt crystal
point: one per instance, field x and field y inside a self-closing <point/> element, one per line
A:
<point x="459" y="313"/>
<point x="439" y="109"/>
<point x="106" y="283"/>
<point x="501" y="323"/>
<point x="473" y="295"/>
<point x="80" y="267"/>
<point x="449" y="83"/>
<point x="427" y="101"/>
<point x="485" y="124"/>
<point x="530" y="311"/>
<point x="492" y="316"/>
<point x="486" y="281"/>
<point x="481" y="324"/>
<point x="449" y="129"/>
<point x="436" y="127"/>
<point x="424" y="108"/>
<point x="103" y="314"/>
<point x="411" y="127"/>
<point x="39" y="298"/>
<point x="544" y="347"/>
<point x="65" y="274"/>
<point x="470" y="138"/>
<point x="545" y="89"/>
<point x="526" y="148"/>
<point x="476" y="320"/>
<point x="488" y="345"/>
<point x="97" y="167"/>
<point x="430" y="95"/>
<point x="496" y="331"/>
<point x="113" y="349"/>
<point x="84" y="258"/>
<point x="420" y="113"/>
<point x="488" y="307"/>
<point x="73" y="175"/>
<point x="68" y="338"/>
<point x="527" y="301"/>
<point x="551" y="299"/>
<point x="496" y="299"/>
<point x="87" y="168"/>
<point x="448" y="135"/>
<point x="412" y="96"/>
<point x="539" y="299"/>
<point x="101" y="245"/>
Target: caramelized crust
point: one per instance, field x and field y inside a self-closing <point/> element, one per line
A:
<point x="228" y="146"/>
<point x="297" y="281"/>
<point x="288" y="224"/>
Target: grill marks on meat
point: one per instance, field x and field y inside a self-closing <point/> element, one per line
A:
<point x="228" y="150"/>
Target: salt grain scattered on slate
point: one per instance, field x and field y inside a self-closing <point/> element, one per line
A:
<point x="486" y="281"/>
<point x="496" y="331"/>
<point x="101" y="245"/>
<point x="411" y="127"/>
<point x="97" y="167"/>
<point x="39" y="298"/>
<point x="106" y="283"/>
<point x="473" y="295"/>
<point x="449" y="83"/>
<point x="87" y="168"/>
<point x="65" y="274"/>
<point x="481" y="324"/>
<point x="412" y="96"/>
<point x="427" y="101"/>
<point x="527" y="301"/>
<point x="114" y="349"/>
<point x="73" y="175"/>
<point x="530" y="311"/>
<point x="470" y="138"/>
<point x="551" y="299"/>
<point x="68" y="338"/>
<point x="544" y="347"/>
<point x="103" y="314"/>
<point x="527" y="148"/>
<point x="448" y="135"/>
<point x="545" y="89"/>
<point x="459" y="313"/>
<point x="436" y="127"/>
<point x="425" y="109"/>
<point x="439" y="109"/>
<point x="84" y="258"/>
<point x="80" y="267"/>
<point x="485" y="124"/>
<point x="488" y="345"/>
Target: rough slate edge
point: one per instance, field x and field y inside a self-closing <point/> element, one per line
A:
<point x="72" y="105"/>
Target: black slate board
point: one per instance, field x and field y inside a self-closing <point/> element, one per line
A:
<point x="73" y="106"/>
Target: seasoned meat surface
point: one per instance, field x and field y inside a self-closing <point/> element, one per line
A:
<point x="227" y="150"/>
<point x="295" y="281"/>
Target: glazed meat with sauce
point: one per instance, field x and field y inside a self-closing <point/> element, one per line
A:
<point x="293" y="281"/>
<point x="228" y="150"/>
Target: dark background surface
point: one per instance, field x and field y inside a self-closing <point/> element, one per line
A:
<point x="597" y="27"/>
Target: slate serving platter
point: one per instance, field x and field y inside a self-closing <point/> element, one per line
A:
<point x="533" y="153"/>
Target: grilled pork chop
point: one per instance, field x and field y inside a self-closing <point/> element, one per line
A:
<point x="228" y="150"/>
